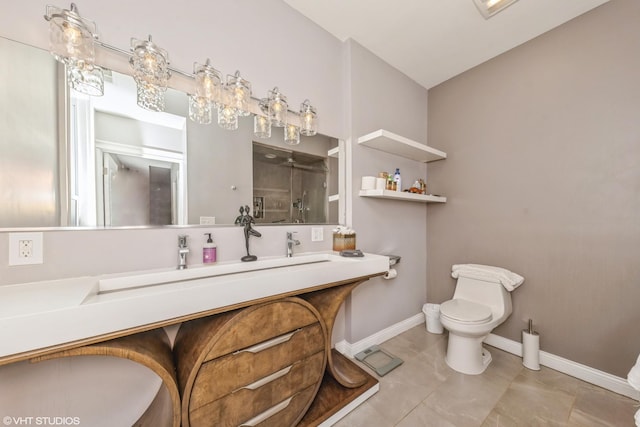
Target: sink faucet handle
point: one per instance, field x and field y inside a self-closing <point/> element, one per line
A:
<point x="182" y="241"/>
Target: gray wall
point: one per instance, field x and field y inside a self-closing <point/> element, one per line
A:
<point x="379" y="96"/>
<point x="543" y="178"/>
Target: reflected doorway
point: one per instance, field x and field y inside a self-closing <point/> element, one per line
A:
<point x="138" y="191"/>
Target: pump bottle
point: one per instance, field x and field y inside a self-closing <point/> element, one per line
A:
<point x="209" y="250"/>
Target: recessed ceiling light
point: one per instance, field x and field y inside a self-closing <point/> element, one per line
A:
<point x="270" y="156"/>
<point x="488" y="8"/>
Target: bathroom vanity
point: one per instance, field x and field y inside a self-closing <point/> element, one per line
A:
<point x="253" y="348"/>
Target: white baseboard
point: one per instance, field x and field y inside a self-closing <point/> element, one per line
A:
<point x="350" y="350"/>
<point x="569" y="367"/>
<point x="566" y="366"/>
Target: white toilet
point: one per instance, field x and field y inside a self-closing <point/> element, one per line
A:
<point x="481" y="301"/>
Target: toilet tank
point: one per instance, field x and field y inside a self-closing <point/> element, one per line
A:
<point x="489" y="293"/>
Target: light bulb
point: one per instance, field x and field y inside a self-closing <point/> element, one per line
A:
<point x="72" y="35"/>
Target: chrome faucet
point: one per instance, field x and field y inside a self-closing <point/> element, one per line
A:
<point x="290" y="242"/>
<point x="183" y="250"/>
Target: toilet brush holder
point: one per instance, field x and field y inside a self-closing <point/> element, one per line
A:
<point x="531" y="348"/>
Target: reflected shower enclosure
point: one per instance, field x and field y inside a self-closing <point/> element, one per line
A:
<point x="290" y="186"/>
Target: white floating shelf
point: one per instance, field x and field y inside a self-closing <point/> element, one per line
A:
<point x="334" y="152"/>
<point x="395" y="144"/>
<point x="402" y="195"/>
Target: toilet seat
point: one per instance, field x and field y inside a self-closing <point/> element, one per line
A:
<point x="463" y="311"/>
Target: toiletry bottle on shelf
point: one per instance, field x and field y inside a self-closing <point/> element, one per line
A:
<point x="398" y="180"/>
<point x="209" y="251"/>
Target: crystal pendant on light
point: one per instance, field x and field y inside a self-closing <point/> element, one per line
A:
<point x="151" y="73"/>
<point x="71" y="41"/>
<point x="208" y="83"/>
<point x="308" y="119"/>
<point x="239" y="93"/>
<point x="278" y="107"/>
<point x="291" y="134"/>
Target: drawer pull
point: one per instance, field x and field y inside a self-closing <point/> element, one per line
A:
<point x="268" y="413"/>
<point x="268" y="344"/>
<point x="267" y="379"/>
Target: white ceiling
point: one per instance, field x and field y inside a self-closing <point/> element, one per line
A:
<point x="433" y="40"/>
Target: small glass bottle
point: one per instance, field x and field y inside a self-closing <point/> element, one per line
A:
<point x="397" y="180"/>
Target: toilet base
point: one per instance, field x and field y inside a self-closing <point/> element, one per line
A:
<point x="466" y="354"/>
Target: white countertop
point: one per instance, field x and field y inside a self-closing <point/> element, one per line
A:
<point x="42" y="314"/>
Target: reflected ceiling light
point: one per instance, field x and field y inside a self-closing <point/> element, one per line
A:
<point x="200" y="110"/>
<point x="488" y="8"/>
<point x="239" y="93"/>
<point x="291" y="134"/>
<point x="308" y="119"/>
<point x="208" y="81"/>
<point x="278" y="108"/>
<point x="151" y="73"/>
<point x="71" y="41"/>
<point x="262" y="124"/>
<point x="227" y="114"/>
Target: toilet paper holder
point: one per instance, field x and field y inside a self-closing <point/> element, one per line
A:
<point x="394" y="259"/>
<point x="531" y="348"/>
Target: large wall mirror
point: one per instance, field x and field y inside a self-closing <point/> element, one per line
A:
<point x="70" y="160"/>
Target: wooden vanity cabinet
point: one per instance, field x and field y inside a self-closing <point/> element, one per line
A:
<point x="256" y="366"/>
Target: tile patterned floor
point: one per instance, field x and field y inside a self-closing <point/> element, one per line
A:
<point x="424" y="391"/>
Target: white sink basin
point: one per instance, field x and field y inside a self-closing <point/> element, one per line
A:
<point x="42" y="314"/>
<point x="155" y="278"/>
<point x="23" y="299"/>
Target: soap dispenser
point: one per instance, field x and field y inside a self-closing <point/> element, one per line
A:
<point x="209" y="250"/>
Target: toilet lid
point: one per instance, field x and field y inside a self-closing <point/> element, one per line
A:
<point x="462" y="310"/>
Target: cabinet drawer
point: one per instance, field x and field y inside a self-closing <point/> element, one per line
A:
<point x="249" y="401"/>
<point x="225" y="374"/>
<point x="260" y="324"/>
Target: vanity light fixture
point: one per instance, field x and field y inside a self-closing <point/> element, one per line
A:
<point x="150" y="71"/>
<point x="278" y="108"/>
<point x="488" y="8"/>
<point x="308" y="119"/>
<point x="208" y="82"/>
<point x="291" y="134"/>
<point x="239" y="93"/>
<point x="72" y="42"/>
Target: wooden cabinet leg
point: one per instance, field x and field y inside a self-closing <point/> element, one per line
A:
<point x="328" y="302"/>
<point x="151" y="349"/>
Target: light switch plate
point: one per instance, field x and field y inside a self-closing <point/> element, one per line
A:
<point x="25" y="248"/>
<point x="317" y="234"/>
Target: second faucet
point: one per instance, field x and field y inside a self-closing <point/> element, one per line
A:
<point x="291" y="242"/>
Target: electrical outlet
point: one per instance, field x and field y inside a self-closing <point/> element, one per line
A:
<point x="317" y="234"/>
<point x="25" y="248"/>
<point x="207" y="220"/>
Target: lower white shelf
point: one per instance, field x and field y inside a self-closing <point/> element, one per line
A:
<point x="402" y="195"/>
